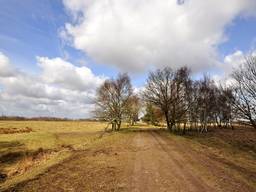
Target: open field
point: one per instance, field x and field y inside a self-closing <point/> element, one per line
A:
<point x="27" y="148"/>
<point x="74" y="156"/>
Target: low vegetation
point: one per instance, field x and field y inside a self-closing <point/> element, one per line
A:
<point x="29" y="147"/>
<point x="74" y="154"/>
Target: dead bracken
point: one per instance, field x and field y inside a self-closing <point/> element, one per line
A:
<point x="15" y="130"/>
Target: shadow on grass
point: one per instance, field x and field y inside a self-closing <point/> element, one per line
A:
<point x="15" y="151"/>
<point x="11" y="151"/>
<point x="10" y="144"/>
<point x="11" y="157"/>
<point x="142" y="130"/>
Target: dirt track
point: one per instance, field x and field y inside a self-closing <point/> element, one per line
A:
<point x="145" y="161"/>
<point x="159" y="167"/>
<point x="165" y="165"/>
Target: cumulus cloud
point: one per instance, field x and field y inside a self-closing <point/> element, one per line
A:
<point x="67" y="75"/>
<point x="61" y="89"/>
<point x="6" y="69"/>
<point x="136" y="35"/>
<point x="235" y="60"/>
<point x="230" y="63"/>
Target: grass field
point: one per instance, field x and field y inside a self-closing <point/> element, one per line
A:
<point x="53" y="149"/>
<point x="36" y="145"/>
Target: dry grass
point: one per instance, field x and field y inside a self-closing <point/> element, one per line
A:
<point x="233" y="149"/>
<point x="108" y="164"/>
<point x="93" y="169"/>
<point x="27" y="148"/>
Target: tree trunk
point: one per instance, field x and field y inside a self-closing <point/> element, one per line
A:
<point x="132" y="122"/>
<point x="167" y="121"/>
<point x="119" y="125"/>
<point x="173" y="126"/>
<point x="184" y="128"/>
<point x="113" y="126"/>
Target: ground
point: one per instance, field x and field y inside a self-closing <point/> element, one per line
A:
<point x="142" y="159"/>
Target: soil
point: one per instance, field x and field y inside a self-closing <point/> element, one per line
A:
<point x="146" y="161"/>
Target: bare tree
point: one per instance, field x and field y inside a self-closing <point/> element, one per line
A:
<point x="180" y="100"/>
<point x="159" y="91"/>
<point x="228" y="113"/>
<point x="206" y="102"/>
<point x="195" y="107"/>
<point x="170" y="91"/>
<point x="182" y="97"/>
<point x="112" y="100"/>
<point x="133" y="109"/>
<point x="245" y="90"/>
<point x="184" y="101"/>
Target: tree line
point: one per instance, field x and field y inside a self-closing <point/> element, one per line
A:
<point x="183" y="103"/>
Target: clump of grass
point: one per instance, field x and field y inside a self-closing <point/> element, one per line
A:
<point x="15" y="130"/>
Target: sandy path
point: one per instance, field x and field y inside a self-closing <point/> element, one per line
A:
<point x="164" y="164"/>
<point x="158" y="168"/>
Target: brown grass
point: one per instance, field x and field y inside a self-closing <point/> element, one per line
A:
<point x="15" y="130"/>
<point x="79" y="157"/>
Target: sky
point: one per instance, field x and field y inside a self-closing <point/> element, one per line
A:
<point x="54" y="54"/>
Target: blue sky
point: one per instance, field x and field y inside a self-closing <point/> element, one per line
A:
<point x="241" y="36"/>
<point x="31" y="29"/>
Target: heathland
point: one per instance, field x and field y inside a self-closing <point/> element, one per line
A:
<point x="81" y="156"/>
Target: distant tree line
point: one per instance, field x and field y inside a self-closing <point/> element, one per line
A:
<point x="183" y="103"/>
<point x="20" y="118"/>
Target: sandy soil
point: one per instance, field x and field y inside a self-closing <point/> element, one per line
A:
<point x="146" y="161"/>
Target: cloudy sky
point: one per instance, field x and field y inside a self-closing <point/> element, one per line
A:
<point x="54" y="54"/>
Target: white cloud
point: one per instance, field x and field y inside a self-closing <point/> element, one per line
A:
<point x="6" y="69"/>
<point x="65" y="74"/>
<point x="61" y="89"/>
<point x="230" y="63"/>
<point x="135" y="35"/>
<point x="233" y="61"/>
